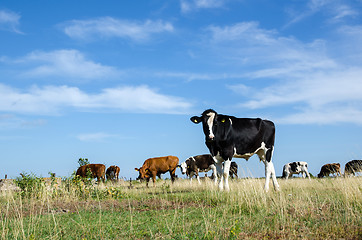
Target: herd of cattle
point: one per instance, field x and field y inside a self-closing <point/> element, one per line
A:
<point x="154" y="167"/>
<point x="227" y="137"/>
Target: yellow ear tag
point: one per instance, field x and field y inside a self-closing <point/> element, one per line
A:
<point x="195" y="121"/>
<point x="223" y="120"/>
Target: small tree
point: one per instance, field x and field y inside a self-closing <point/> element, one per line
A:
<point x="83" y="161"/>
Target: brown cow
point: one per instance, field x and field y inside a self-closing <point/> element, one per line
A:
<point x="153" y="167"/>
<point x="97" y="171"/>
<point x="353" y="167"/>
<point x="330" y="169"/>
<point x="112" y="173"/>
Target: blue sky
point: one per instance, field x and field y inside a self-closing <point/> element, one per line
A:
<point x="117" y="81"/>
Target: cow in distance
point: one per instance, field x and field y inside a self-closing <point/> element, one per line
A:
<point x="196" y="164"/>
<point x="112" y="173"/>
<point x="94" y="170"/>
<point x="295" y="168"/>
<point x="352" y="167"/>
<point x="331" y="168"/>
<point x="153" y="167"/>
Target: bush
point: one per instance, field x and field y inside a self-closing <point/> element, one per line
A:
<point x="29" y="184"/>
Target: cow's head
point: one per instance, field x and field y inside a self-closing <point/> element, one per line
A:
<point x="207" y="119"/>
<point x="183" y="167"/>
<point x="143" y="173"/>
<point x="213" y="124"/>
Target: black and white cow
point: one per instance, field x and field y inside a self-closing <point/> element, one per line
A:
<point x="200" y="163"/>
<point x="228" y="137"/>
<point x="295" y="168"/>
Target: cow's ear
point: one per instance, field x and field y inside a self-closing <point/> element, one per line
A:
<point x="195" y="119"/>
<point x="136" y="169"/>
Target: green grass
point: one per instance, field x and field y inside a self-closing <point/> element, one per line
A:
<point x="303" y="209"/>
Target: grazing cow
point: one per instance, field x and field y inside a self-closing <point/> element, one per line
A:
<point x="331" y="168"/>
<point x="112" y="173"/>
<point x="153" y="167"/>
<point x="233" y="172"/>
<point x="295" y="168"/>
<point x="95" y="171"/>
<point x="200" y="163"/>
<point x="228" y="137"/>
<point x="353" y="167"/>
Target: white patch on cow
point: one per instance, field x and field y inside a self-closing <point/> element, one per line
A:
<point x="210" y="123"/>
<point x="260" y="152"/>
<point x="231" y="122"/>
<point x="183" y="167"/>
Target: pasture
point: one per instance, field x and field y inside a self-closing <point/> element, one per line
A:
<point x="329" y="208"/>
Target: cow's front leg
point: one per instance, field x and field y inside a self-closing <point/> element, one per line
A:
<point x="214" y="172"/>
<point x="226" y="174"/>
<point x="306" y="171"/>
<point x="219" y="170"/>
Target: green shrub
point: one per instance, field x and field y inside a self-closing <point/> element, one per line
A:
<point x="29" y="184"/>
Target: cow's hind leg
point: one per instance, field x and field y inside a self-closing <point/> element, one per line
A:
<point x="173" y="175"/>
<point x="269" y="170"/>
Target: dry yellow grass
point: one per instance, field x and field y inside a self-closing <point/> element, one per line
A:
<point x="303" y="209"/>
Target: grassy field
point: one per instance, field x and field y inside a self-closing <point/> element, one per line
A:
<point x="317" y="209"/>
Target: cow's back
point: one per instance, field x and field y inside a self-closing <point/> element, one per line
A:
<point x="161" y="164"/>
<point x="97" y="170"/>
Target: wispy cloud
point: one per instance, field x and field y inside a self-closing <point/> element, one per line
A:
<point x="336" y="10"/>
<point x="191" y="5"/>
<point x="65" y="63"/>
<point x="94" y="137"/>
<point x="9" y="121"/>
<point x="52" y="100"/>
<point x="108" y="27"/>
<point x="9" y="21"/>
<point x="246" y="44"/>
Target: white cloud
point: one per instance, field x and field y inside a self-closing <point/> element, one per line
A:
<point x="327" y="115"/>
<point x="9" y="21"/>
<point x="343" y="11"/>
<point x="317" y="90"/>
<point x="190" y="5"/>
<point x="247" y="31"/>
<point x="324" y="97"/>
<point x="66" y="64"/>
<point x="55" y="99"/>
<point x="108" y="27"/>
<point x="334" y="9"/>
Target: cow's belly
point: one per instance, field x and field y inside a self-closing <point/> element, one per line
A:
<point x="260" y="152"/>
<point x="205" y="169"/>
